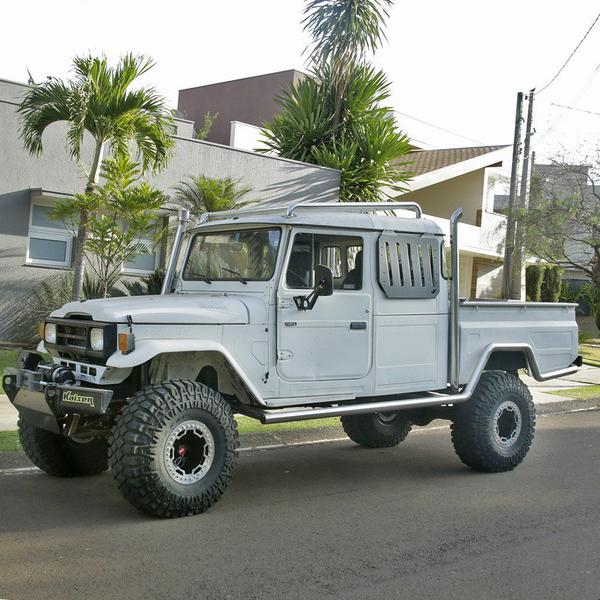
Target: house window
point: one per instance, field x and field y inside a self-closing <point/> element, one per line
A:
<point x="143" y="264"/>
<point x="50" y="243"/>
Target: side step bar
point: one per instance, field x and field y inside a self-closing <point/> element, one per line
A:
<point x="284" y="415"/>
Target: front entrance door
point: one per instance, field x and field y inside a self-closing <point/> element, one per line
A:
<point x="334" y="339"/>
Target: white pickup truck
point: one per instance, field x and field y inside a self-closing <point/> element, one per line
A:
<point x="284" y="314"/>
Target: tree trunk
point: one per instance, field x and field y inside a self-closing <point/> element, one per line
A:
<point x="82" y="232"/>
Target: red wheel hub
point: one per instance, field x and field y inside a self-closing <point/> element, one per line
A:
<point x="182" y="450"/>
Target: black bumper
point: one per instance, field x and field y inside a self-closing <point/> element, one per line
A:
<point x="46" y="405"/>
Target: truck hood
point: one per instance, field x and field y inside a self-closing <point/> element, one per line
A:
<point x="171" y="308"/>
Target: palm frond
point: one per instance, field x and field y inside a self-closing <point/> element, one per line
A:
<point x="44" y="105"/>
<point x="99" y="100"/>
<point x="344" y="31"/>
<point x="201" y="194"/>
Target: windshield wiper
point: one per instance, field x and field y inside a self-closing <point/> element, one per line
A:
<point x="241" y="279"/>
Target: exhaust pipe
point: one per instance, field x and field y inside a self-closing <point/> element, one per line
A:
<point x="184" y="217"/>
<point x="453" y="337"/>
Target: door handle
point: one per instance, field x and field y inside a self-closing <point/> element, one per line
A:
<point x="358" y="325"/>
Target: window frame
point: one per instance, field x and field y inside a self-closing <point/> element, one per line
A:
<point x="47" y="233"/>
<point x="292" y="237"/>
<point x="132" y="271"/>
<point x="232" y="230"/>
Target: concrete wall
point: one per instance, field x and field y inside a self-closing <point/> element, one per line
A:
<point x="486" y="279"/>
<point x="273" y="181"/>
<point x="250" y="100"/>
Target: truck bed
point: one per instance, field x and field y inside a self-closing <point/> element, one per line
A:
<point x="550" y="329"/>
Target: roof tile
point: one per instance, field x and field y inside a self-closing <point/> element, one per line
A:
<point x="424" y="161"/>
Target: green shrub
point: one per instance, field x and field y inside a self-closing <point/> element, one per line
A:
<point x="552" y="284"/>
<point x="534" y="276"/>
<point x="148" y="285"/>
<point x="45" y="298"/>
<point x="93" y="287"/>
<point x="591" y="293"/>
<point x="570" y="292"/>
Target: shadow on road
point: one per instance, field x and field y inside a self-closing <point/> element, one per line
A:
<point x="422" y="466"/>
<point x="284" y="476"/>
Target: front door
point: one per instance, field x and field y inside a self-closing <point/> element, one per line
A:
<point x="334" y="339"/>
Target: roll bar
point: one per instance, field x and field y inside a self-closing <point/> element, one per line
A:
<point x="290" y="211"/>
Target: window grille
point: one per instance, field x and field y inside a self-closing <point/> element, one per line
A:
<point x="409" y="266"/>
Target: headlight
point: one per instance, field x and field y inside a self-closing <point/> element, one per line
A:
<point x="97" y="339"/>
<point x="50" y="333"/>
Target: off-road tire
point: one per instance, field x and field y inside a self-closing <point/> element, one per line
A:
<point x="141" y="434"/>
<point x="61" y="457"/>
<point x="377" y="430"/>
<point x="473" y="427"/>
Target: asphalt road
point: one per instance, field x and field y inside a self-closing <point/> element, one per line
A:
<point x="326" y="521"/>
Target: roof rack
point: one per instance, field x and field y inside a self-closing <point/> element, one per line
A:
<point x="289" y="211"/>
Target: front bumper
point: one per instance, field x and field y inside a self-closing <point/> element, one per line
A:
<point x="47" y="405"/>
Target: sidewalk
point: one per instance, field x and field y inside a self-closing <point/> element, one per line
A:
<point x="544" y="401"/>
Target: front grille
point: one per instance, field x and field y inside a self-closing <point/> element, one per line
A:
<point x="73" y="336"/>
<point x="73" y="339"/>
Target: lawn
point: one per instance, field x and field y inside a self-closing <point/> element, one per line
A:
<point x="590" y="354"/>
<point x="7" y="359"/>
<point x="9" y="441"/>
<point x="585" y="392"/>
<point x="248" y="425"/>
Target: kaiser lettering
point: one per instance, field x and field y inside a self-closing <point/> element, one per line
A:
<point x="74" y="397"/>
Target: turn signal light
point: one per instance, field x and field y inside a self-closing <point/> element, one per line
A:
<point x="42" y="330"/>
<point x="126" y="342"/>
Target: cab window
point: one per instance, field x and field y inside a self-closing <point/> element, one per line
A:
<point x="342" y="254"/>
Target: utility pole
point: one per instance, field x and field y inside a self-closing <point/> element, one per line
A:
<point x="518" y="258"/>
<point x="510" y="222"/>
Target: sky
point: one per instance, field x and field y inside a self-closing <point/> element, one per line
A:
<point x="455" y="65"/>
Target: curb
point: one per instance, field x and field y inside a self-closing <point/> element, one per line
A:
<point x="566" y="406"/>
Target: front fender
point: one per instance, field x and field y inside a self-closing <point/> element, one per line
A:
<point x="145" y="350"/>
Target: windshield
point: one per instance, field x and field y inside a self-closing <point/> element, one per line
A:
<point x="240" y="255"/>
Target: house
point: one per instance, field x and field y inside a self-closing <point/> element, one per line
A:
<point x="475" y="179"/>
<point x="33" y="247"/>
<point x="249" y="101"/>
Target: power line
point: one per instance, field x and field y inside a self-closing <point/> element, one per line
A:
<point x="583" y="110"/>
<point x="440" y="128"/>
<point x="578" y="96"/>
<point x="571" y="55"/>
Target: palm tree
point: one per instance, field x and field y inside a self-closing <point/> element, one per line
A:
<point x="337" y="117"/>
<point x="202" y="194"/>
<point x="344" y="32"/>
<point x="99" y="100"/>
<point x="365" y="145"/>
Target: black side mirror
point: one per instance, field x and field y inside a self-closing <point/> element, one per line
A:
<point x="323" y="287"/>
<point x="323" y="281"/>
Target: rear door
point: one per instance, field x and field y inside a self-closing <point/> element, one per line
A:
<point x="334" y="339"/>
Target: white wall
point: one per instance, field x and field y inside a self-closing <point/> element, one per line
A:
<point x="244" y="136"/>
<point x="441" y="199"/>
